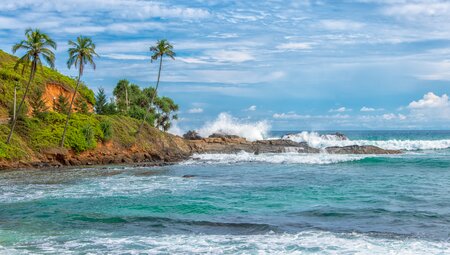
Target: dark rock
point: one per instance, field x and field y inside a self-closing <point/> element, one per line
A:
<point x="341" y="136"/>
<point x="356" y="149"/>
<point x="189" y="176"/>
<point x="220" y="135"/>
<point x="192" y="135"/>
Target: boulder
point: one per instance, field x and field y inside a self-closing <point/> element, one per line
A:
<point x="192" y="135"/>
<point x="356" y="149"/>
<point x="220" y="135"/>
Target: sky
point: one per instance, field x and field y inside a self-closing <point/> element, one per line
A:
<point x="298" y="65"/>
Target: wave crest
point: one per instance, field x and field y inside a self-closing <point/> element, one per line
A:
<point x="321" y="141"/>
<point x="274" y="158"/>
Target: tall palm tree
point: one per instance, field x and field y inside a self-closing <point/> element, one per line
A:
<point x="82" y="52"/>
<point x="36" y="45"/>
<point x="161" y="49"/>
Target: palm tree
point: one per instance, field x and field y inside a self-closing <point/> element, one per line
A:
<point x="36" y="45"/>
<point x="82" y="52"/>
<point x="161" y="49"/>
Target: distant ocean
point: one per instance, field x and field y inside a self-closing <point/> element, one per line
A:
<point x="285" y="203"/>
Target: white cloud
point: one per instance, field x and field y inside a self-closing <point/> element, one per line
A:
<point x="418" y="9"/>
<point x="340" y="109"/>
<point x="341" y="25"/>
<point x="129" y="9"/>
<point x="392" y="116"/>
<point x="295" y="116"/>
<point x="195" y="110"/>
<point x="295" y="46"/>
<point x="430" y="100"/>
<point x="290" y="116"/>
<point x="367" y="109"/>
<point x="126" y="57"/>
<point x="370" y="109"/>
<point x="252" y="108"/>
<point x="232" y="56"/>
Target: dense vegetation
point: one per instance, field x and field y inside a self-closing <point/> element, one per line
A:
<point x="40" y="128"/>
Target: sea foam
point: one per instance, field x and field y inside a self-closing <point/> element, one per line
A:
<point x="271" y="243"/>
<point x="274" y="158"/>
<point x="321" y="141"/>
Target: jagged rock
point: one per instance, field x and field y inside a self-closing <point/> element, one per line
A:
<point x="219" y="135"/>
<point x="192" y="135"/>
<point x="341" y="136"/>
<point x="356" y="149"/>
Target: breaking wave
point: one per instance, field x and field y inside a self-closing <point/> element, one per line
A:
<point x="274" y="158"/>
<point x="321" y="141"/>
<point x="227" y="124"/>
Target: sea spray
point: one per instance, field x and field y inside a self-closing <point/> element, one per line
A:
<point x="227" y="124"/>
<point x="316" y="140"/>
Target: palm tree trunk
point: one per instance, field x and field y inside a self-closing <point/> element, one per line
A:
<point x="13" y="125"/>
<point x="70" y="110"/>
<point x="153" y="97"/>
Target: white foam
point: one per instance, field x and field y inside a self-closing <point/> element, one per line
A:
<point x="321" y="141"/>
<point x="317" y="242"/>
<point x="274" y="158"/>
<point x="227" y="124"/>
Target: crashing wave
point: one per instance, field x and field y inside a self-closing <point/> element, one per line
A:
<point x="316" y="140"/>
<point x="274" y="158"/>
<point x="228" y="125"/>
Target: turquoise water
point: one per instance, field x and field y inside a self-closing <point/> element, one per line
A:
<point x="250" y="204"/>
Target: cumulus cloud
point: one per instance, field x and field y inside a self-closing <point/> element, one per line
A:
<point x="195" y="110"/>
<point x="430" y="100"/>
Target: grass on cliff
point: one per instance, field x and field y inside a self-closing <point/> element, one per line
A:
<point x="85" y="132"/>
<point x="9" y="78"/>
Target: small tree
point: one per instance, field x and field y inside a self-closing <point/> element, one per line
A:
<point x="100" y="101"/>
<point x="37" y="103"/>
<point x="81" y="106"/>
<point x="61" y="104"/>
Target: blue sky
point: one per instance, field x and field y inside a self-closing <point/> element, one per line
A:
<point x="299" y="65"/>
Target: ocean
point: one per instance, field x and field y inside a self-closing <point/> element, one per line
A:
<point x="285" y="203"/>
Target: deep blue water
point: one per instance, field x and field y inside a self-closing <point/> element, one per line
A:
<point x="243" y="203"/>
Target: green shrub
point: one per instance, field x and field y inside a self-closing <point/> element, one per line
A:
<point x="106" y="128"/>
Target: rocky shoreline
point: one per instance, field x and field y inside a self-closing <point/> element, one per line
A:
<point x="173" y="149"/>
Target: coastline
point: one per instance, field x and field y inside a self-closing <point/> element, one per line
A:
<point x="168" y="149"/>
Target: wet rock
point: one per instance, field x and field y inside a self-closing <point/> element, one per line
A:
<point x="220" y="135"/>
<point x="356" y="149"/>
<point x="340" y="136"/>
<point x="192" y="135"/>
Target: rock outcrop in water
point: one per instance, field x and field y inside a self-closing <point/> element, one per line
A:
<point x="234" y="144"/>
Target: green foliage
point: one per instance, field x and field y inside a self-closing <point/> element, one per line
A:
<point x="161" y="115"/>
<point x="81" y="106"/>
<point x="61" y="105"/>
<point x="107" y="131"/>
<point x="37" y="103"/>
<point x="82" y="133"/>
<point x="100" y="103"/>
<point x="10" y="78"/>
